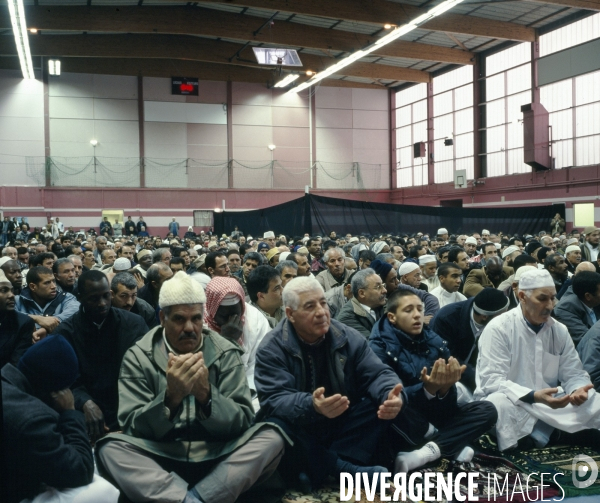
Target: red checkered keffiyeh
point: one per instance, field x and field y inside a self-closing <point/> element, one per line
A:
<point x="218" y="288"/>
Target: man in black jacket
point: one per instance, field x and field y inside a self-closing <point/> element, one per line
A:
<point x="44" y="436"/>
<point x="319" y="381"/>
<point x="124" y="290"/>
<point x="16" y="329"/>
<point x="100" y="335"/>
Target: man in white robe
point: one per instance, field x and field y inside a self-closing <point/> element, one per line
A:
<point x="449" y="275"/>
<point x="529" y="369"/>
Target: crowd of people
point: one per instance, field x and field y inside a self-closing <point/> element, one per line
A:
<point x="205" y="368"/>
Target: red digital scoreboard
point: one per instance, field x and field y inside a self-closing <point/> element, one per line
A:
<point x="184" y="86"/>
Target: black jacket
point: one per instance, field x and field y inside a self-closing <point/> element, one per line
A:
<point x="453" y="323"/>
<point x="16" y="330"/>
<point x="279" y="375"/>
<point x="41" y="446"/>
<point x="100" y="353"/>
<point x="571" y="312"/>
<point x="146" y="311"/>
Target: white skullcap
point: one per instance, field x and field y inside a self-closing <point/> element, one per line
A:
<point x="4" y="260"/>
<point x="231" y="299"/>
<point x="509" y="250"/>
<point x="407" y="268"/>
<point x="4" y="279"/>
<point x="572" y="248"/>
<point x="197" y="247"/>
<point x="181" y="289"/>
<point x="283" y="256"/>
<point x="201" y="278"/>
<point x="442" y="231"/>
<point x="572" y="241"/>
<point x="539" y="278"/>
<point x="268" y="234"/>
<point x="522" y="270"/>
<point x="122" y="264"/>
<point x="426" y="259"/>
<point x="498" y="246"/>
<point x="471" y="240"/>
<point x="485" y="231"/>
<point x="353" y="239"/>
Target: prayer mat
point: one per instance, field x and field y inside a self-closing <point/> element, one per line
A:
<point x="328" y="493"/>
<point x="548" y="460"/>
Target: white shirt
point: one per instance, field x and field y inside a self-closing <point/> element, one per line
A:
<point x="256" y="327"/>
<point x="513" y="360"/>
<point x="369" y="311"/>
<point x="445" y="297"/>
<point x="593" y="252"/>
<point x="432" y="283"/>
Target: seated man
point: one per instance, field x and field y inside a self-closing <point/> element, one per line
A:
<point x="589" y="352"/>
<point x="336" y="273"/>
<point x="429" y="265"/>
<point x="123" y="291"/>
<point x="156" y="276"/>
<point x="338" y="296"/>
<point x="44" y="435"/>
<point x="264" y="288"/>
<point x="43" y="303"/>
<point x="13" y="273"/>
<point x="410" y="274"/>
<point x="64" y="274"/>
<point x="556" y="265"/>
<point x="423" y="363"/>
<point x="335" y="412"/>
<point x="250" y="262"/>
<point x="228" y="314"/>
<point x="461" y="324"/>
<point x="524" y="355"/>
<point x="100" y="335"/>
<point x="288" y="270"/>
<point x="449" y="275"/>
<point x="186" y="412"/>
<point x="491" y="275"/>
<point x="580" y="310"/>
<point x="16" y="328"/>
<point x="366" y="305"/>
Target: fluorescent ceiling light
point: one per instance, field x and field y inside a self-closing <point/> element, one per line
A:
<point x="19" y="26"/>
<point x="287" y="80"/>
<point x="276" y="56"/>
<point x="54" y="67"/>
<point x="390" y="37"/>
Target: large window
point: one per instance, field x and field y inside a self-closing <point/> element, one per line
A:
<point x="507" y="87"/>
<point x="574" y="106"/>
<point x="568" y="36"/>
<point x="453" y="120"/>
<point x="411" y="128"/>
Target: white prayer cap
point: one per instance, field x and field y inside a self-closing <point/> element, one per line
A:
<point x="539" y="278"/>
<point x="555" y="240"/>
<point x="181" y="289"/>
<point x="231" y="299"/>
<point x="572" y="241"/>
<point x="197" y="247"/>
<point x="509" y="250"/>
<point x="4" y="279"/>
<point x="353" y="240"/>
<point x="522" y="270"/>
<point x="122" y="264"/>
<point x="442" y="231"/>
<point x="283" y="256"/>
<point x="470" y="241"/>
<point x="498" y="246"/>
<point x="572" y="248"/>
<point x="268" y="234"/>
<point x="407" y="268"/>
<point x="426" y="259"/>
<point x="4" y="260"/>
<point x="485" y="231"/>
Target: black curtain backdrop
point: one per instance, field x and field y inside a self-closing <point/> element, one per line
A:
<point x="321" y="215"/>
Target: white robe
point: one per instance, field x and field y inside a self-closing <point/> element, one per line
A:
<point x="446" y="297"/>
<point x="432" y="283"/>
<point x="256" y="327"/>
<point x="513" y="360"/>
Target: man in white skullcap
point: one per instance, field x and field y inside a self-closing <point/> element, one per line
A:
<point x="428" y="265"/>
<point x="442" y="234"/>
<point x="186" y="412"/>
<point x="269" y="238"/>
<point x="471" y="246"/>
<point x="410" y="274"/>
<point x="509" y="254"/>
<point x="524" y="354"/>
<point x="572" y="257"/>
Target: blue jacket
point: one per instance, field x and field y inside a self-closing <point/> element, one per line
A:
<point x="67" y="307"/>
<point x="589" y="352"/>
<point x="408" y="356"/>
<point x="280" y="377"/>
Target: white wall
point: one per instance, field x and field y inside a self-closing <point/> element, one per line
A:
<point x="21" y="129"/>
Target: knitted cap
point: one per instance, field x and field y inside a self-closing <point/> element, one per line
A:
<point x="50" y="365"/>
<point x="590" y="229"/>
<point x="181" y="289"/>
<point x="539" y="278"/>
<point x="272" y="252"/>
<point x="262" y="246"/>
<point x="382" y="268"/>
<point x="532" y="246"/>
<point x="122" y="264"/>
<point x="405" y="268"/>
<point x="490" y="302"/>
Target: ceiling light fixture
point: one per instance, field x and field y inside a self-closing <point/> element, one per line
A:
<point x="287" y="80"/>
<point x="33" y="30"/>
<point x="93" y="143"/>
<point x="309" y="72"/>
<point x="395" y="34"/>
<point x="54" y="67"/>
<point x="19" y="26"/>
<point x="387" y="26"/>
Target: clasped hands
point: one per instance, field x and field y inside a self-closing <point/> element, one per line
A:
<point x="336" y="405"/>
<point x="186" y="375"/>
<point x="443" y="376"/>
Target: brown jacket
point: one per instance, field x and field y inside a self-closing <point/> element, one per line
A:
<point x="477" y="280"/>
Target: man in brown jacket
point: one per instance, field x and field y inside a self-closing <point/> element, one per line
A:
<point x="489" y="276"/>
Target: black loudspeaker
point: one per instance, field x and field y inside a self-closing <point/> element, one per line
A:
<point x="419" y="149"/>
